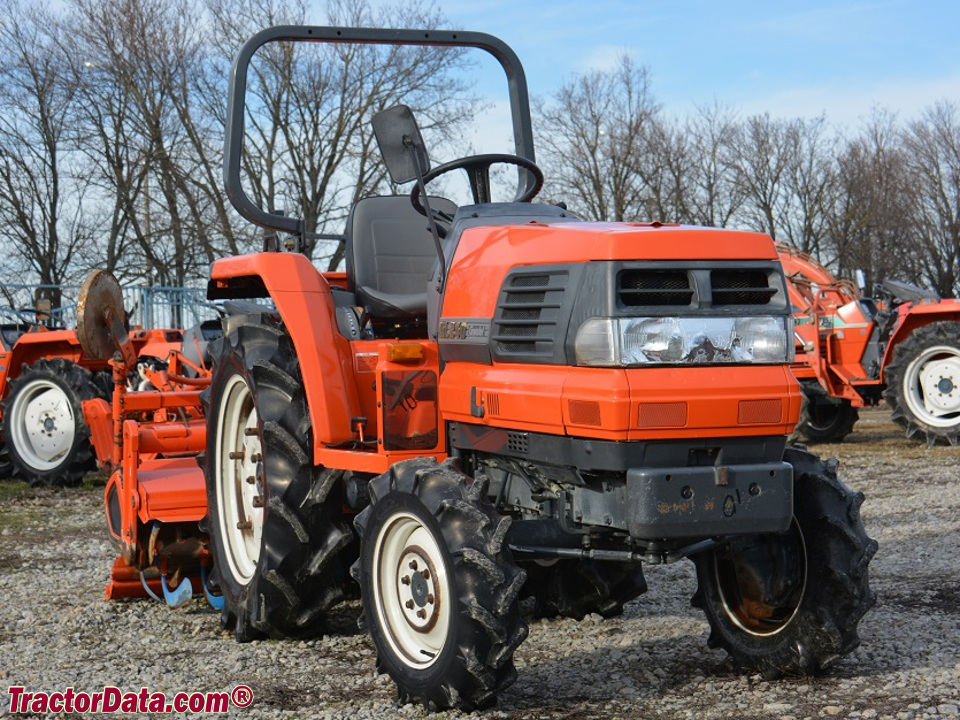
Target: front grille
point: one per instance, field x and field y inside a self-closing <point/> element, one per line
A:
<point x="526" y="281"/>
<point x="644" y="288"/>
<point x="532" y="313"/>
<point x="740" y="287"/>
<point x="525" y="322"/>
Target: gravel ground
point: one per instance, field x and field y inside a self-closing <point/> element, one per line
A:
<point x="57" y="631"/>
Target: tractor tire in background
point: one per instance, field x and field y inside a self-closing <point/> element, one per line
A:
<point x="576" y="588"/>
<point x="440" y="588"/>
<point x="789" y="603"/>
<point x="46" y="440"/>
<point x="923" y="383"/>
<point x="824" y="418"/>
<point x="6" y="467"/>
<point x="274" y="519"/>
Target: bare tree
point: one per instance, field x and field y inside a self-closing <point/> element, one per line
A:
<point x="310" y="149"/>
<point x="596" y="132"/>
<point x="713" y="194"/>
<point x="111" y="145"/>
<point x="153" y="151"/>
<point x="106" y="133"/>
<point x="811" y="186"/>
<point x="763" y="154"/>
<point x="870" y="225"/>
<point x="41" y="184"/>
<point x="932" y="154"/>
<point x="667" y="169"/>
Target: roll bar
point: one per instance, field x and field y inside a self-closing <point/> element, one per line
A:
<point x="236" y="102"/>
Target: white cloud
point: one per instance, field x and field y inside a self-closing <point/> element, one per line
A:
<point x="604" y="58"/>
<point x="848" y="107"/>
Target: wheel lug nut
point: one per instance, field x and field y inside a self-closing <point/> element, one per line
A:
<point x="237" y="455"/>
<point x="425" y="574"/>
<point x="257" y="501"/>
<point x="409" y="604"/>
<point x="413" y="564"/>
<point x="430" y="599"/>
<point x="422" y="614"/>
<point x="405" y="579"/>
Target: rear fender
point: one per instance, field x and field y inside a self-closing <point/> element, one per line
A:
<point x="915" y="317"/>
<point x="303" y="300"/>
<point x="33" y="346"/>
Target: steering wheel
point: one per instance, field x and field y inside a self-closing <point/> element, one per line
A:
<point x="477" y="168"/>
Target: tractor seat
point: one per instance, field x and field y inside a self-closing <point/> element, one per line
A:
<point x="391" y="255"/>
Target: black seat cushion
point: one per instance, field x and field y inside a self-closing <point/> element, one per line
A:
<point x="391" y="255"/>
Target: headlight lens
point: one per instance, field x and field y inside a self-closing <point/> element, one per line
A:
<point x="610" y="342"/>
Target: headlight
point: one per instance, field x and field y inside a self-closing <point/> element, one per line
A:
<point x="610" y="342"/>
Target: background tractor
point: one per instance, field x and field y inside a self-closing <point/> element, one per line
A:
<point x="45" y="376"/>
<point x="496" y="401"/>
<point x="902" y="346"/>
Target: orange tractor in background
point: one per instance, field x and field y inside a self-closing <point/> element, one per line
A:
<point x="496" y="401"/>
<point x="44" y="378"/>
<point x="902" y="346"/>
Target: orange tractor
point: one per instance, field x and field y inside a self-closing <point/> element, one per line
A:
<point x="903" y="347"/>
<point x="44" y="378"/>
<point x="497" y="401"/>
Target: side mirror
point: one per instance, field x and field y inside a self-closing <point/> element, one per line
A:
<point x="861" y="278"/>
<point x="401" y="144"/>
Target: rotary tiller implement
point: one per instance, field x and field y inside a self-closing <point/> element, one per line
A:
<point x="148" y="442"/>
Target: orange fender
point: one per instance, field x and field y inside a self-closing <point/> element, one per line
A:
<point x="303" y="299"/>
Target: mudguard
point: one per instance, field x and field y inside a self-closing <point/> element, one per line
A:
<point x="303" y="299"/>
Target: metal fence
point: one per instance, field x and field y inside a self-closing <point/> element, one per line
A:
<point x="149" y="306"/>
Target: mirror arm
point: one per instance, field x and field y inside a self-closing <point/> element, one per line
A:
<point x="408" y="142"/>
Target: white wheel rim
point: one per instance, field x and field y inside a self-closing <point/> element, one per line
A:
<point x="932" y="386"/>
<point x="734" y="608"/>
<point x="238" y="454"/>
<point x="42" y="426"/>
<point x="411" y="590"/>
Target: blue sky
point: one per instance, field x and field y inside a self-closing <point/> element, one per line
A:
<point x="797" y="59"/>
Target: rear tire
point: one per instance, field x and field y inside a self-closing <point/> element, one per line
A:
<point x="6" y="467"/>
<point x="923" y="383"/>
<point x="823" y="418"/>
<point x="274" y="519"/>
<point x="790" y="603"/>
<point x="576" y="588"/>
<point x="46" y="439"/>
<point x="440" y="590"/>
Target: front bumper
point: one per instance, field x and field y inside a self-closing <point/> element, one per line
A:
<point x="688" y="502"/>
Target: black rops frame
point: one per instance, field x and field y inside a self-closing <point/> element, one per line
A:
<point x="236" y="101"/>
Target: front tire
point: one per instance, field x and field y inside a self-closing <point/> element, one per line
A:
<point x="823" y="418"/>
<point x="274" y="519"/>
<point x="46" y="439"/>
<point x="923" y="383"/>
<point x="440" y="590"/>
<point x="790" y="603"/>
<point x="576" y="588"/>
